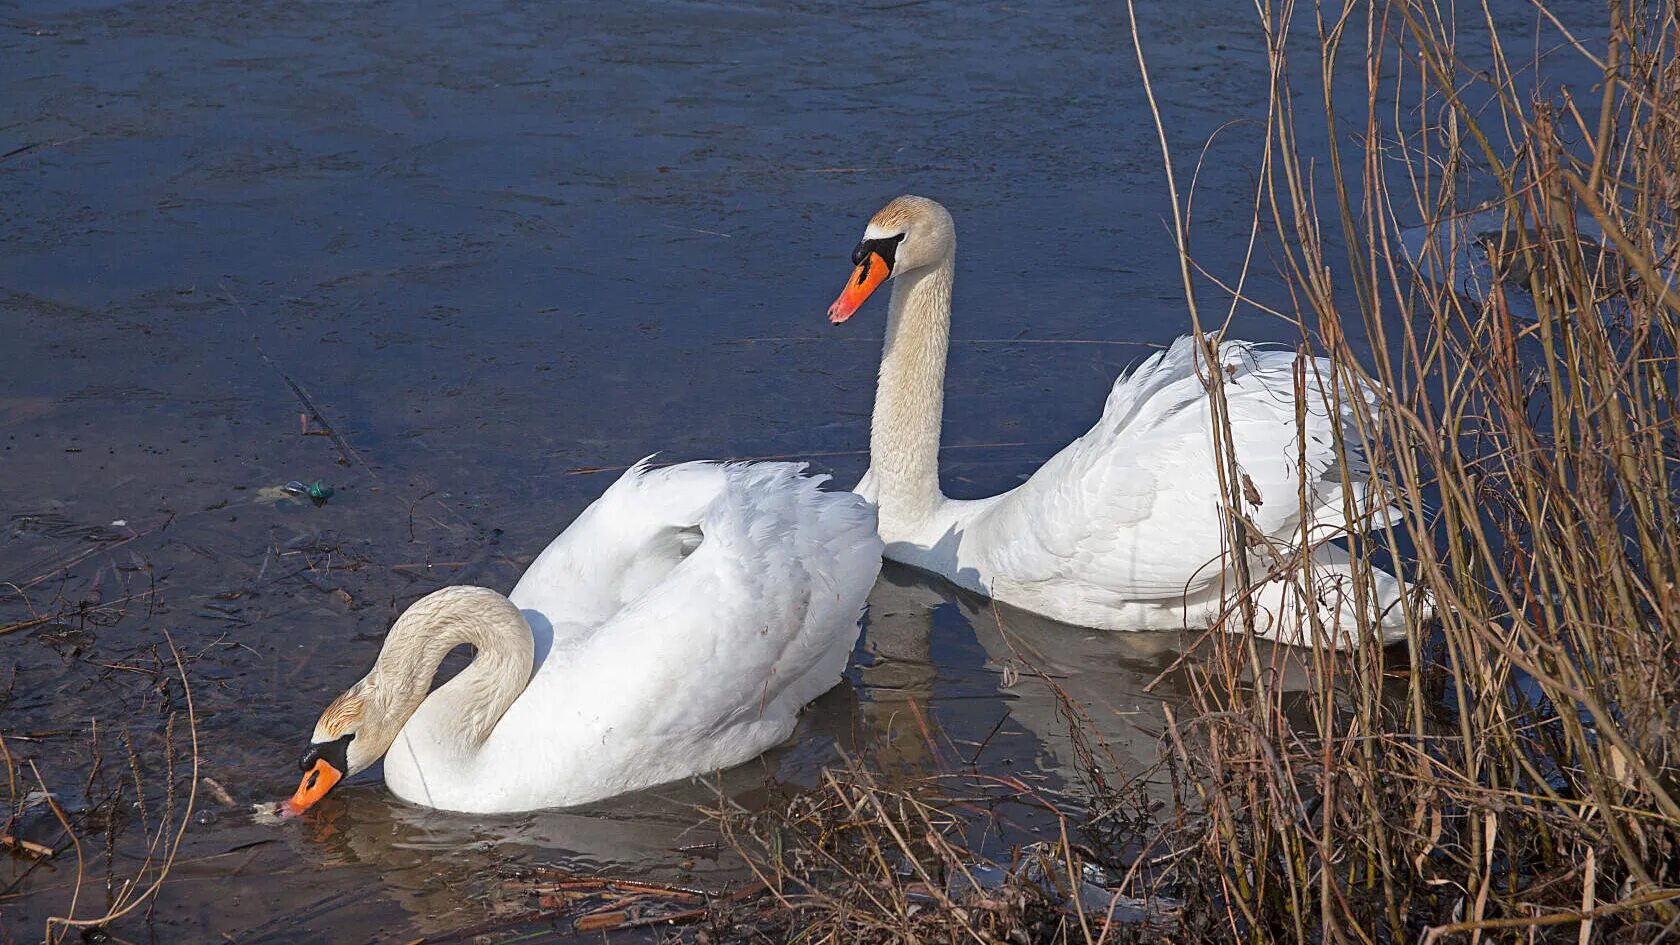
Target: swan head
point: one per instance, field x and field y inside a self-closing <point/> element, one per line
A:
<point x="354" y="731"/>
<point x="357" y="728"/>
<point x="907" y="234"/>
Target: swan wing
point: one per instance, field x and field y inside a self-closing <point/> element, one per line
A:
<point x="1130" y="510"/>
<point x="709" y="663"/>
<point x="614" y="551"/>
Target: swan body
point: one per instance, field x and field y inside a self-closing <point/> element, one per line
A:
<point x="676" y="628"/>
<point x="1123" y="529"/>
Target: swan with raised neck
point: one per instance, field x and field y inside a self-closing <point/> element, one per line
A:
<point x="1123" y="529"/>
<point x="913" y="242"/>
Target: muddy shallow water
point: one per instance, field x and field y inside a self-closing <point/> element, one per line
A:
<point x="462" y="264"/>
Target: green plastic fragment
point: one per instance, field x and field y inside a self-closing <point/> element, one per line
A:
<point x="318" y="491"/>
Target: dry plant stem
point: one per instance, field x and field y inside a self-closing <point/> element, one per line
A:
<point x="1558" y="918"/>
<point x="1557" y="601"/>
<point x="30" y="847"/>
<point x="1523" y="783"/>
<point x="129" y="900"/>
<point x="1214" y="378"/>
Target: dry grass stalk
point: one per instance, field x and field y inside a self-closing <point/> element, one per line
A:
<point x="1525" y="786"/>
<point x="859" y="860"/>
<point x="1521" y="780"/>
<point x="125" y="895"/>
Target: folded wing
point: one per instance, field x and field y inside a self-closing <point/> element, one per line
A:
<point x="1131" y="510"/>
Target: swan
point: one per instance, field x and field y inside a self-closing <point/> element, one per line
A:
<point x="1122" y="529"/>
<point x="675" y="628"/>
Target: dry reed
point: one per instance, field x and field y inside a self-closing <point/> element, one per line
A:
<point x="1525" y="785"/>
<point x="1525" y="788"/>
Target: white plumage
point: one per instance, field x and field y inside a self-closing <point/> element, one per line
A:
<point x="678" y="627"/>
<point x="1123" y="528"/>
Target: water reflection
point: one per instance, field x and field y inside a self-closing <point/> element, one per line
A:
<point x="443" y="870"/>
<point x="969" y="662"/>
<point x="985" y="670"/>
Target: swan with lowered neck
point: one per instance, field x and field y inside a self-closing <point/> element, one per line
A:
<point x="676" y="628"/>
<point x="1123" y="529"/>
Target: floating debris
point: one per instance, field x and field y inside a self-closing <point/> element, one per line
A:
<point x="39" y="851"/>
<point x="601" y="904"/>
<point x="1095" y="897"/>
<point x="294" y="493"/>
<point x="268" y="813"/>
<point x="318" y="491"/>
<point x="1476" y="254"/>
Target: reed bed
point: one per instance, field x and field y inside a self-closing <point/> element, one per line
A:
<point x="865" y="858"/>
<point x="1525" y="789"/>
<point x="1496" y="252"/>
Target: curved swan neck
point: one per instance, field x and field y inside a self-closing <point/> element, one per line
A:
<point x="478" y="696"/>
<point x="910" y="395"/>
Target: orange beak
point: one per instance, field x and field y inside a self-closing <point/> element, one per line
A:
<point x="313" y="787"/>
<point x="866" y="278"/>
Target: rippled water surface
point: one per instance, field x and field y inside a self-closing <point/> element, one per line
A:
<point x="503" y="251"/>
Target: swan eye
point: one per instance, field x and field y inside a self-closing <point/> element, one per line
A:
<point x="333" y="753"/>
<point x="886" y="248"/>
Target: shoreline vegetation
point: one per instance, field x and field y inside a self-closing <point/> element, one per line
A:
<point x="1509" y="774"/>
<point x="1514" y="247"/>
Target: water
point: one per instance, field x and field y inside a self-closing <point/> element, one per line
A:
<point x="504" y="251"/>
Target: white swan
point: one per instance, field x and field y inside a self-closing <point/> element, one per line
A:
<point x="676" y="628"/>
<point x="1122" y="529"/>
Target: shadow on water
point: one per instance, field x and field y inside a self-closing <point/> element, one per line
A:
<point x="971" y="662"/>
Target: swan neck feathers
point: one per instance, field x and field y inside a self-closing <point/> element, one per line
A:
<point x="426" y="632"/>
<point x="910" y="395"/>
